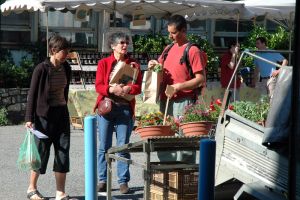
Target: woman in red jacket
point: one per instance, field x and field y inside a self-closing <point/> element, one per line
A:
<point x="120" y="118"/>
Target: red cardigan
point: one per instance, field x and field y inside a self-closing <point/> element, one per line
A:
<point x="102" y="79"/>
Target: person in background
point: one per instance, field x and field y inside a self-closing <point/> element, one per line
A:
<point x="267" y="72"/>
<point x="121" y="117"/>
<point x="228" y="64"/>
<point x="176" y="74"/>
<point x="47" y="112"/>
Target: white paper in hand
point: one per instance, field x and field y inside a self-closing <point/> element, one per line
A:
<point x="38" y="134"/>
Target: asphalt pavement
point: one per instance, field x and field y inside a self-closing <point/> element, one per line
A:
<point x="15" y="182"/>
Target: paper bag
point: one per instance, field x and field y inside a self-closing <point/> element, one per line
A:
<point x="125" y="74"/>
<point x="151" y="86"/>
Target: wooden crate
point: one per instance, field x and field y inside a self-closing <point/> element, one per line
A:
<point x="76" y="122"/>
<point x="158" y="193"/>
<point x="178" y="182"/>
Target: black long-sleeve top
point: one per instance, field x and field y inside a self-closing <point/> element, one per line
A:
<point x="37" y="100"/>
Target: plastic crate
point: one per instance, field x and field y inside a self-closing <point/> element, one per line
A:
<point x="179" y="182"/>
<point x="158" y="193"/>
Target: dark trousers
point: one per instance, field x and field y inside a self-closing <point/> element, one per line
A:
<point x="57" y="127"/>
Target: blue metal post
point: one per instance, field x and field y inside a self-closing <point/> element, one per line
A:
<point x="206" y="179"/>
<point x="90" y="149"/>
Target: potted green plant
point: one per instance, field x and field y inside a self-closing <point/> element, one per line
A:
<point x="256" y="112"/>
<point x="152" y="124"/>
<point x="198" y="119"/>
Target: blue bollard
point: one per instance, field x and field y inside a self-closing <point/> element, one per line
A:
<point x="206" y="179"/>
<point x="90" y="149"/>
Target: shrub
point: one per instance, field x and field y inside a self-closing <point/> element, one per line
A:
<point x="15" y="76"/>
<point x="3" y="117"/>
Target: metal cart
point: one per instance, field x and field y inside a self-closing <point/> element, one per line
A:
<point x="152" y="145"/>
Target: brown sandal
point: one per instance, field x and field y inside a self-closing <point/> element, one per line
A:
<point x="37" y="193"/>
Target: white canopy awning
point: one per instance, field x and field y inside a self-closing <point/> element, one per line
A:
<point x="215" y="9"/>
<point x="192" y="9"/>
<point x="272" y="9"/>
<point x="159" y="8"/>
<point x="18" y="6"/>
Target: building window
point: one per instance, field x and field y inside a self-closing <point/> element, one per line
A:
<point x="81" y="33"/>
<point x="227" y="30"/>
<point x="15" y="29"/>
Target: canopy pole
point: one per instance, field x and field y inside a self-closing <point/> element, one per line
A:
<point x="114" y="13"/>
<point x="236" y="58"/>
<point x="47" y="33"/>
<point x="237" y="28"/>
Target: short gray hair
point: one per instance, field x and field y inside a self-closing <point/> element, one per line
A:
<point x="115" y="38"/>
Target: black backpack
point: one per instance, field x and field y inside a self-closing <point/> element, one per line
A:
<point x="185" y="57"/>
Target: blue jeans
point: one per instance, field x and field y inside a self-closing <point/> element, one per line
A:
<point x="119" y="119"/>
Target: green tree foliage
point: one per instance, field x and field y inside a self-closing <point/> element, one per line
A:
<point x="150" y="43"/>
<point x="157" y="43"/>
<point x="212" y="58"/>
<point x="12" y="76"/>
<point x="279" y="40"/>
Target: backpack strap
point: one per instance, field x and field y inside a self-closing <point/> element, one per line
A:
<point x="185" y="58"/>
<point x="166" y="51"/>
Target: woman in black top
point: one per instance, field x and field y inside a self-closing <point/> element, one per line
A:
<point x="47" y="110"/>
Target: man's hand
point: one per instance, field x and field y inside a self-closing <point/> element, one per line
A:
<point x="171" y="90"/>
<point x="275" y="73"/>
<point x="152" y="63"/>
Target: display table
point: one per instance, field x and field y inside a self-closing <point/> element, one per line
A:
<point x="82" y="100"/>
<point x="147" y="146"/>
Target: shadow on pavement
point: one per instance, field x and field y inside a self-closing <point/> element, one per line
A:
<point x="135" y="193"/>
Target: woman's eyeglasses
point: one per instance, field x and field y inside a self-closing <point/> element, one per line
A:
<point x="123" y="42"/>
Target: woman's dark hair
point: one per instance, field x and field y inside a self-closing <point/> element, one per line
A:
<point x="231" y="43"/>
<point x="179" y="22"/>
<point x="116" y="37"/>
<point x="58" y="43"/>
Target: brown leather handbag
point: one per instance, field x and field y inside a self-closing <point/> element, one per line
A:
<point x="104" y="106"/>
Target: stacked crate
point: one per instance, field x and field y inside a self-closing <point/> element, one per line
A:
<point x="174" y="185"/>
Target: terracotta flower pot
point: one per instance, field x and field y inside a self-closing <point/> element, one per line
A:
<point x="152" y="131"/>
<point x="196" y="128"/>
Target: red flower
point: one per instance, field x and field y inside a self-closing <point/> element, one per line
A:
<point x="230" y="107"/>
<point x="212" y="107"/>
<point x="219" y="102"/>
